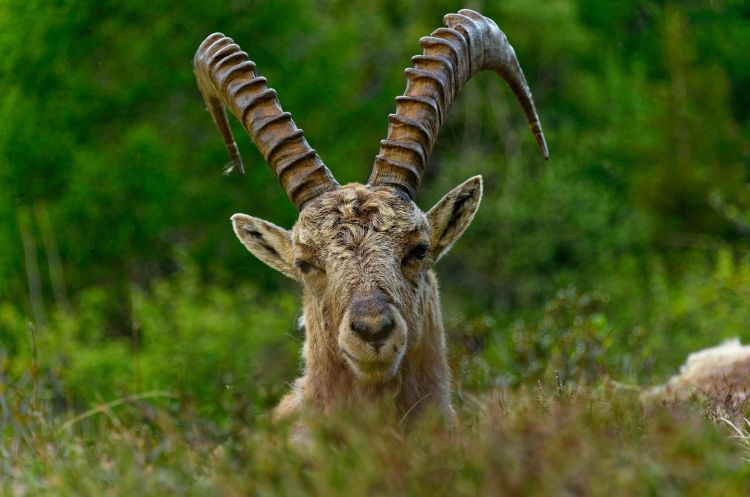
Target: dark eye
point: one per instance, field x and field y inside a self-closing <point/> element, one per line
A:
<point x="418" y="253"/>
<point x="305" y="267"/>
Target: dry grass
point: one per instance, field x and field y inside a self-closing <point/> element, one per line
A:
<point x="545" y="441"/>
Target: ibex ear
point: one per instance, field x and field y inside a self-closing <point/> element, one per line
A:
<point x="450" y="217"/>
<point x="266" y="241"/>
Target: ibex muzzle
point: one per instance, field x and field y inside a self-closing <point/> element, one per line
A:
<point x="364" y="253"/>
<point x="372" y="336"/>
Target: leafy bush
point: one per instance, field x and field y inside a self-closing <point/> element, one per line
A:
<point x="222" y="349"/>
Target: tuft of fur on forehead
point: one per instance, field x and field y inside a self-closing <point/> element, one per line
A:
<point x="376" y="208"/>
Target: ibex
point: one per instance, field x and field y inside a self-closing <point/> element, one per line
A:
<point x="364" y="253"/>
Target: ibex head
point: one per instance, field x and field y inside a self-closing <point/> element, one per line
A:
<point x="363" y="253"/>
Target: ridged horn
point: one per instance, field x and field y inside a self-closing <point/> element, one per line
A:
<point x="227" y="78"/>
<point x="451" y="55"/>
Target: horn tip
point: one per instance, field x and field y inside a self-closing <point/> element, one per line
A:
<point x="540" y="140"/>
<point x="544" y="150"/>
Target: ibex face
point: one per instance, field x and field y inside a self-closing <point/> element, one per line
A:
<point x="364" y="252"/>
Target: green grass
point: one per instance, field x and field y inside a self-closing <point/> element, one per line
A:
<point x="543" y="441"/>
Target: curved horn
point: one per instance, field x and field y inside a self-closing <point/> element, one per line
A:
<point x="451" y="56"/>
<point x="227" y="77"/>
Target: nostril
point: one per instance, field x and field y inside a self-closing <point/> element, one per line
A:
<point x="359" y="326"/>
<point x="384" y="329"/>
<point x="388" y="325"/>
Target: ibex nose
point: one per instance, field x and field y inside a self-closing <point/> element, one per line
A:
<point x="371" y="318"/>
<point x="373" y="330"/>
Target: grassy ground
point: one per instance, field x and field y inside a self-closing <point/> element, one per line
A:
<point x="181" y="407"/>
<point x="544" y="441"/>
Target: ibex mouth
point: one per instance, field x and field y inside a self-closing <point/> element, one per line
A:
<point x="367" y="366"/>
<point x="372" y="370"/>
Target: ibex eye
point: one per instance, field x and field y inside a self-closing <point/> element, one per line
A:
<point x="305" y="266"/>
<point x="417" y="253"/>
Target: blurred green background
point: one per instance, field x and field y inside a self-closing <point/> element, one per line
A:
<point x="624" y="252"/>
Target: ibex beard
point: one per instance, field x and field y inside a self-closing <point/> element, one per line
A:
<point x="364" y="253"/>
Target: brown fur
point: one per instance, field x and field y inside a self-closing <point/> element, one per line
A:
<point x="353" y="251"/>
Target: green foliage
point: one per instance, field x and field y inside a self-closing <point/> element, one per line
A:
<point x="572" y="340"/>
<point x="582" y="337"/>
<point x="101" y="123"/>
<point x="223" y="350"/>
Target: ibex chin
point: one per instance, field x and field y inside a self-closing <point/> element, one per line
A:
<point x="364" y="252"/>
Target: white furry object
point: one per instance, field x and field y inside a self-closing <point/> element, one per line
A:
<point x="716" y="372"/>
<point x="708" y="361"/>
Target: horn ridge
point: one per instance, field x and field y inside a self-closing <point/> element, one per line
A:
<point x="227" y="78"/>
